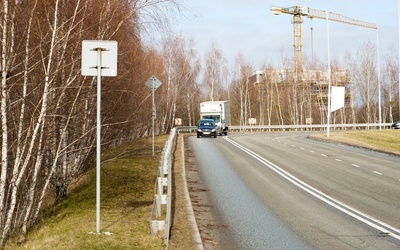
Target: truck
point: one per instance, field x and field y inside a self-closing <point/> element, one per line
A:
<point x="219" y="111"/>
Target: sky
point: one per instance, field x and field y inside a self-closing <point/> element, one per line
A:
<point x="249" y="27"/>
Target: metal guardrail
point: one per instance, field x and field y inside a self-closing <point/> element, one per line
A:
<point x="354" y="126"/>
<point x="161" y="210"/>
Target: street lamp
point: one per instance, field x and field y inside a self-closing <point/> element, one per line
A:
<point x="329" y="76"/>
<point x="398" y="25"/>
<point x="379" y="81"/>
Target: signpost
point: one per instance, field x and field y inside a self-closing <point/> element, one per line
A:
<point x="153" y="83"/>
<point x="99" y="58"/>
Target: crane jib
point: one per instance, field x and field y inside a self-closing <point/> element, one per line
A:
<point x="322" y="14"/>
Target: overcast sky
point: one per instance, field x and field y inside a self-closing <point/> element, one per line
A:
<point x="249" y="27"/>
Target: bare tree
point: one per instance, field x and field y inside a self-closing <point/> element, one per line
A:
<point x="47" y="107"/>
<point x="181" y="67"/>
<point x="214" y="65"/>
<point x="389" y="86"/>
<point x="241" y="90"/>
<point x="365" y="80"/>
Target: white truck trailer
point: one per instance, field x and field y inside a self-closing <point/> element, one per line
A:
<point x="219" y="111"/>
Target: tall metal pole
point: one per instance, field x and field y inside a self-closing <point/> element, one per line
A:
<point x="398" y="25"/>
<point x="153" y="113"/>
<point x="98" y="144"/>
<point x="329" y="76"/>
<point x="379" y="82"/>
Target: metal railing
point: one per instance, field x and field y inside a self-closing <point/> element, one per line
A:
<point x="161" y="209"/>
<point x="249" y="128"/>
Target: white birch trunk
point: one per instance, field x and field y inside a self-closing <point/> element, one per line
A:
<point x="22" y="113"/>
<point x="40" y="122"/>
<point x="4" y="102"/>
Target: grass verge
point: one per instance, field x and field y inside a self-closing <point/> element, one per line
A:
<point x="128" y="173"/>
<point x="387" y="141"/>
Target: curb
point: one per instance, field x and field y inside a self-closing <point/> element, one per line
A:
<point x="196" y="234"/>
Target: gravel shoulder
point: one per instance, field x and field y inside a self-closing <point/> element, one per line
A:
<point x="183" y="236"/>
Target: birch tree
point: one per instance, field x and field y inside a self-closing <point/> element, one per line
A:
<point x="390" y="86"/>
<point x="47" y="107"/>
<point x="214" y="65"/>
<point x="241" y="90"/>
<point x="182" y="67"/>
<point x="365" y="80"/>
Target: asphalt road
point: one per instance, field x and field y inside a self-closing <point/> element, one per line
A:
<point x="285" y="191"/>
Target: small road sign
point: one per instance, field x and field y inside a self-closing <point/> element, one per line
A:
<point x="153" y="83"/>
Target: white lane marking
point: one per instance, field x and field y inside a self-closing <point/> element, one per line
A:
<point x="355" y="165"/>
<point x="369" y="220"/>
<point x="311" y="151"/>
<point x="338" y="159"/>
<point x="293" y="145"/>
<point x="376" y="172"/>
<point x="323" y="155"/>
<point x="302" y="148"/>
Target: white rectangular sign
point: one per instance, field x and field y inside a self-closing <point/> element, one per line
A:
<point x="337" y="100"/>
<point x="108" y="57"/>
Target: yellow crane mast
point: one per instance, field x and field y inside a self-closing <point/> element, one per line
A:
<point x="298" y="12"/>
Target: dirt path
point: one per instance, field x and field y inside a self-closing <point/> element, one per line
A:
<point x="182" y="233"/>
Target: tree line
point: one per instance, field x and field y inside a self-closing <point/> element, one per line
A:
<point x="48" y="109"/>
<point x="281" y="95"/>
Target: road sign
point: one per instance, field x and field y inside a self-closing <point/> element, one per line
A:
<point x="337" y="98"/>
<point x="99" y="58"/>
<point x="178" y="121"/>
<point x="153" y="83"/>
<point x="252" y="121"/>
<point x="108" y="57"/>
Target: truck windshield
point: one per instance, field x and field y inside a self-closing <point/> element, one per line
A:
<point x="216" y="118"/>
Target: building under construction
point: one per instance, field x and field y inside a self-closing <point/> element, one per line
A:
<point x="308" y="89"/>
<point x="316" y="80"/>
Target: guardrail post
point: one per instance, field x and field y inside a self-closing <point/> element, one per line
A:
<point x="162" y="182"/>
<point x="156" y="225"/>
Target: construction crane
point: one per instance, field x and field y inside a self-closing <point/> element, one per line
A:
<point x="298" y="12"/>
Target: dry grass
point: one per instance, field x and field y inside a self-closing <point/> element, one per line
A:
<point x="381" y="140"/>
<point x="127" y="193"/>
